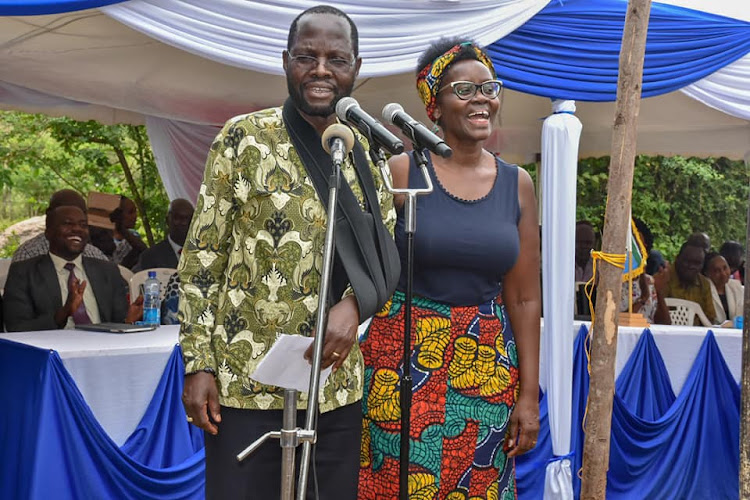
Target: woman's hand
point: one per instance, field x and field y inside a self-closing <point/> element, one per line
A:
<point x="523" y="428"/>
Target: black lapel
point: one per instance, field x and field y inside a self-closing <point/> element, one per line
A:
<point x="98" y="283"/>
<point x="49" y="281"/>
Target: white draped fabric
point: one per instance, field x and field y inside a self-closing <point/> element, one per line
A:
<point x="561" y="133"/>
<point x="727" y="90"/>
<point x="252" y="35"/>
<point x="180" y="150"/>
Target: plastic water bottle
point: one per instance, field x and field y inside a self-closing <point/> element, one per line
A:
<point x="152" y="300"/>
<point x="738" y="322"/>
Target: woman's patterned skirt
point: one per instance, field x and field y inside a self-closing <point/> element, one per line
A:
<point x="464" y="366"/>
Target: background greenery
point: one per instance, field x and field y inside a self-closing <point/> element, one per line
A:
<point x="41" y="154"/>
<point x="675" y="196"/>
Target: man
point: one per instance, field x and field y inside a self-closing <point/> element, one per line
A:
<point x="64" y="288"/>
<point x="734" y="254"/>
<point x="686" y="281"/>
<point x="700" y="239"/>
<point x="251" y="265"/>
<point x="38" y="245"/>
<point x="167" y="253"/>
<point x="585" y="241"/>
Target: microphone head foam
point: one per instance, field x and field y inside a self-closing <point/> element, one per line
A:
<point x="343" y="106"/>
<point x="338" y="131"/>
<point x="391" y="109"/>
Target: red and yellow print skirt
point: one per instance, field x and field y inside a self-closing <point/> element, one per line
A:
<point x="464" y="366"/>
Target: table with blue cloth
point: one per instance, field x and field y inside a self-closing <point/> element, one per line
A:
<point x="97" y="415"/>
<point x="675" y="417"/>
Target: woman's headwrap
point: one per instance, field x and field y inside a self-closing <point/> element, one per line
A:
<point x="429" y="80"/>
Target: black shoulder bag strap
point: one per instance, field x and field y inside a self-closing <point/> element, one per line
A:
<point x="366" y="255"/>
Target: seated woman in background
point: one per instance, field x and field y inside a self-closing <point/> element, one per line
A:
<point x="647" y="297"/>
<point x="728" y="294"/>
<point x="128" y="243"/>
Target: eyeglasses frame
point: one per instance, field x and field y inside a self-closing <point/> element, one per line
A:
<point x="477" y="86"/>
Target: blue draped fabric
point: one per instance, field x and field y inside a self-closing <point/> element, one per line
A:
<point x="40" y="7"/>
<point x="53" y="447"/>
<point x="662" y="446"/>
<point x="643" y="386"/>
<point x="570" y="49"/>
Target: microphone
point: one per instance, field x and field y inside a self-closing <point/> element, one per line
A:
<point x="348" y="110"/>
<point x="337" y="140"/>
<point x="420" y="135"/>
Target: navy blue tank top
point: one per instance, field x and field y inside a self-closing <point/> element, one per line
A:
<point x="462" y="248"/>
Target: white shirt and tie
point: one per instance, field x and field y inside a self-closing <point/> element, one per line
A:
<point x="89" y="299"/>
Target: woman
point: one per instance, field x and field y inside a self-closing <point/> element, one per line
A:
<point x="650" y="304"/>
<point x="728" y="294"/>
<point x="128" y="243"/>
<point x="476" y="305"/>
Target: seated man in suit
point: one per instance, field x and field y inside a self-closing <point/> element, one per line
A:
<point x="167" y="253"/>
<point x="686" y="281"/>
<point x="63" y="288"/>
<point x="38" y="245"/>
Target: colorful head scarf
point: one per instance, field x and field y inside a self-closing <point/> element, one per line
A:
<point x="430" y="78"/>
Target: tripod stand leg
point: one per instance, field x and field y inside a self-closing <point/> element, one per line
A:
<point x="288" y="444"/>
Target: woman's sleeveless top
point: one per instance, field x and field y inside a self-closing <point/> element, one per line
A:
<point x="462" y="248"/>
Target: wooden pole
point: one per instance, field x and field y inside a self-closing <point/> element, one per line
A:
<point x="745" y="382"/>
<point x="616" y="225"/>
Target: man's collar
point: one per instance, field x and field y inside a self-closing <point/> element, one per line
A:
<point x="174" y="245"/>
<point x="59" y="262"/>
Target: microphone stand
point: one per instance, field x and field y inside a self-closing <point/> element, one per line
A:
<point x="290" y="435"/>
<point x="410" y="219"/>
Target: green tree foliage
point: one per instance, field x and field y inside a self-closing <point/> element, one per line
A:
<point x="41" y="154"/>
<point x="674" y="196"/>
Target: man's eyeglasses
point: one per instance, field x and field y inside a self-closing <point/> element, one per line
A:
<point x="466" y="90"/>
<point x="337" y="64"/>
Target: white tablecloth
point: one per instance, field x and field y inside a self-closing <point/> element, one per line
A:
<point x="116" y="373"/>
<point x="678" y="346"/>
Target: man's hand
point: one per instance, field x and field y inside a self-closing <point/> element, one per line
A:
<point x="135" y="310"/>
<point x="343" y="320"/>
<point x="72" y="302"/>
<point x="75" y="296"/>
<point x="200" y="396"/>
<point x="523" y="428"/>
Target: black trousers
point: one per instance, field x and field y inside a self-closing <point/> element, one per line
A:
<point x="336" y="455"/>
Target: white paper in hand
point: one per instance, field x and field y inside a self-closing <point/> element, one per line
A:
<point x="285" y="365"/>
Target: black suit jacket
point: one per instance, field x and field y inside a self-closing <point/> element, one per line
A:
<point x="32" y="293"/>
<point x="160" y="255"/>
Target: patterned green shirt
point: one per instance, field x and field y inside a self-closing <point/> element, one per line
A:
<point x="250" y="267"/>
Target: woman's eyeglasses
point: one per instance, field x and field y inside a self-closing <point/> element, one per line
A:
<point x="336" y="64"/>
<point x="466" y="90"/>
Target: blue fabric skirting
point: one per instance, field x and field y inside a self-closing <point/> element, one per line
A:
<point x="662" y="446"/>
<point x="53" y="447"/>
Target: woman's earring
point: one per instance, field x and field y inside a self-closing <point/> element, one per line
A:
<point x="435" y="129"/>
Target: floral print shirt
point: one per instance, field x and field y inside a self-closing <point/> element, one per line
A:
<point x="250" y="268"/>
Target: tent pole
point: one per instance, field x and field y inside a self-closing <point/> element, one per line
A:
<point x="616" y="225"/>
<point x="745" y="380"/>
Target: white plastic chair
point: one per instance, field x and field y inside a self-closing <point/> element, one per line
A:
<point x="125" y="273"/>
<point x="162" y="274"/>
<point x="683" y="312"/>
